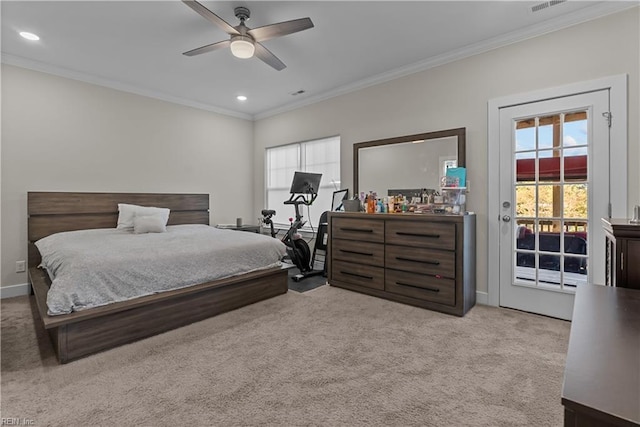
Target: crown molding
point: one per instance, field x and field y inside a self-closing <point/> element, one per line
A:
<point x="30" y="64"/>
<point x="596" y="11"/>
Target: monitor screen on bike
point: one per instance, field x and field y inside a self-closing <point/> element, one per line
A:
<point x="305" y="183"/>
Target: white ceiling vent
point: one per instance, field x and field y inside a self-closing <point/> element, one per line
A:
<point x="546" y="4"/>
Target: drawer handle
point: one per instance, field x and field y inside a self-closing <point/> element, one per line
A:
<point x="417" y="287"/>
<point x="357" y="230"/>
<point x="355" y="252"/>
<point x="418" y="261"/>
<point x="357" y="275"/>
<point x="431" y="236"/>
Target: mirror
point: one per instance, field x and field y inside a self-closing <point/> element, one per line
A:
<point x="407" y="162"/>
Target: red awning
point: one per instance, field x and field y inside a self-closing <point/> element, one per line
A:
<point x="575" y="167"/>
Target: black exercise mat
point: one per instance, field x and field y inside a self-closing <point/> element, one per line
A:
<point x="305" y="284"/>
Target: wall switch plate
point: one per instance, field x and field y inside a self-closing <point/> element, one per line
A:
<point x="21" y="266"/>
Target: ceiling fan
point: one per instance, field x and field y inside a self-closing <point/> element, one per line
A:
<point x="244" y="41"/>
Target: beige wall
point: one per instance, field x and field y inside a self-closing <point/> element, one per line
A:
<point x="456" y="95"/>
<point x="64" y="135"/>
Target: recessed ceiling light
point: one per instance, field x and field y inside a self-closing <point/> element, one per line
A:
<point x="29" y="36"/>
<point x="241" y="98"/>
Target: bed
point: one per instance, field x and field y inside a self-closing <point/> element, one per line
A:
<point x="88" y="331"/>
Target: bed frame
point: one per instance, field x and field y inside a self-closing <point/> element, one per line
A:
<point x="89" y="331"/>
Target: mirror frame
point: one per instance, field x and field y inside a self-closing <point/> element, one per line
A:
<point x="459" y="132"/>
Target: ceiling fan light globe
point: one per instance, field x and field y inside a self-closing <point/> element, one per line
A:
<point x="242" y="47"/>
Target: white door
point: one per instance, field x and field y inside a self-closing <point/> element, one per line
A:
<point x="554" y="188"/>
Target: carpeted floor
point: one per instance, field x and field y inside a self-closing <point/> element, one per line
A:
<point x="324" y="357"/>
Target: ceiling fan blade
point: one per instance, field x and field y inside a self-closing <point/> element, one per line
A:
<point x="264" y="54"/>
<point x="211" y="17"/>
<point x="208" y="48"/>
<point x="281" y="29"/>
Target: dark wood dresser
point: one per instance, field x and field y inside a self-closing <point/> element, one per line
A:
<point x="602" y="372"/>
<point x="622" y="253"/>
<point x="418" y="259"/>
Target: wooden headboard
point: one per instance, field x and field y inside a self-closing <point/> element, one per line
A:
<point x="54" y="212"/>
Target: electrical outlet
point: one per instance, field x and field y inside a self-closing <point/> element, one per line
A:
<point x="20" y="266"/>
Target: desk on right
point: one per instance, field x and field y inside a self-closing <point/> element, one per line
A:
<point x="602" y="372"/>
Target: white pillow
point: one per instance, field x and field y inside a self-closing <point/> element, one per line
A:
<point x="148" y="224"/>
<point x="128" y="212"/>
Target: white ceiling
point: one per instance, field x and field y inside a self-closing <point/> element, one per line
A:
<point x="137" y="45"/>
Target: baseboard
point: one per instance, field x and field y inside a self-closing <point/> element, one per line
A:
<point x="15" y="290"/>
<point x="482" y="298"/>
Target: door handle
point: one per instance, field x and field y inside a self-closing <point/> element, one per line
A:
<point x="506" y="218"/>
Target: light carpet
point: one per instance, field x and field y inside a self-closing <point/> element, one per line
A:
<point x="325" y="357"/>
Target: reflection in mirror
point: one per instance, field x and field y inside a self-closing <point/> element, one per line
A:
<point x="416" y="164"/>
<point x="410" y="162"/>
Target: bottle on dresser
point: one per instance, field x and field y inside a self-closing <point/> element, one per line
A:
<point x="371" y="203"/>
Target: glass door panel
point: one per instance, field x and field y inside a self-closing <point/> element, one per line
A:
<point x="551" y="198"/>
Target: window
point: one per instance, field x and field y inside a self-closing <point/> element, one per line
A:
<point x="551" y="194"/>
<point x="319" y="156"/>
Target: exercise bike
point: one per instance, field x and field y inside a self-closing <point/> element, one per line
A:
<point x="303" y="193"/>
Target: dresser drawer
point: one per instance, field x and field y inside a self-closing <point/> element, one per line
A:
<point x="364" y="230"/>
<point x="421" y="260"/>
<point x="358" y="274"/>
<point x="358" y="252"/>
<point x="438" y="235"/>
<point x="426" y="288"/>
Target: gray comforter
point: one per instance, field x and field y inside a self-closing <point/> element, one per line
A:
<point x="90" y="268"/>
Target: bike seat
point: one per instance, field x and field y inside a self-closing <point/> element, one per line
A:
<point x="268" y="212"/>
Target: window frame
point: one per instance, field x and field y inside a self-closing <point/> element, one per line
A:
<point x="327" y="185"/>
